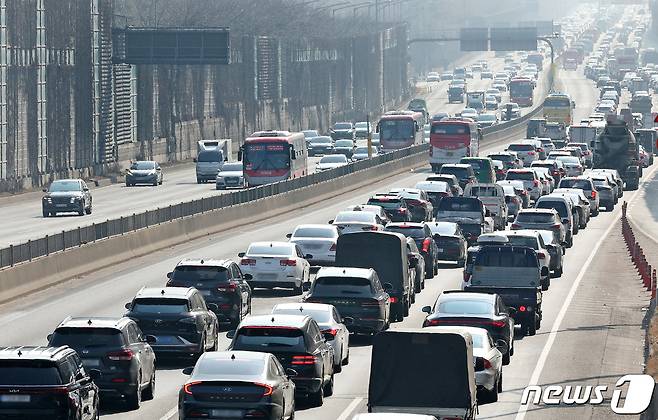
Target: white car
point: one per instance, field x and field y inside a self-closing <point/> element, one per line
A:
<point x="487" y="358"/>
<point x="357" y="221"/>
<point x="572" y="165"/>
<point x="469" y="113"/>
<point x="329" y="321"/>
<point x="230" y="176"/>
<point x="318" y="241"/>
<point x="276" y="264"/>
<point x="331" y="162"/>
<point x="378" y="210"/>
<point x="494" y="92"/>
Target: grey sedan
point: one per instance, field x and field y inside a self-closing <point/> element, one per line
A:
<point x="361" y="152"/>
<point x="144" y="172"/>
<point x="322" y="145"/>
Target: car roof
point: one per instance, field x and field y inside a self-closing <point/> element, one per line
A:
<point x="33" y="352"/>
<point x="165" y="292"/>
<point x="534" y="210"/>
<point x="275" y="320"/>
<point x="345" y="272"/>
<point x="302" y="306"/>
<point x="94" y="322"/>
<point x="200" y="262"/>
<point x="458" y="294"/>
<point x="315" y="226"/>
<point x="457" y="165"/>
<point x="215" y="358"/>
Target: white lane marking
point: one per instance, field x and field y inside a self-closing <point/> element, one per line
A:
<point x="355" y="402"/>
<point x="169" y="414"/>
<point x="534" y="379"/>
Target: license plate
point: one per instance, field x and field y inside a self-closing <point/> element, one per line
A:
<point x="227" y="413"/>
<point x="60" y="205"/>
<point x="15" y="398"/>
<point x="91" y="362"/>
<point x="441" y="250"/>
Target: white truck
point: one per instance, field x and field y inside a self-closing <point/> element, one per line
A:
<point x="211" y="155"/>
<point x="493" y="198"/>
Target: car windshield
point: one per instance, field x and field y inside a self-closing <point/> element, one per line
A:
<point x="266" y="337"/>
<point x="568" y="159"/>
<point x="465" y="307"/>
<point x="582" y="184"/>
<point x="341" y="286"/>
<point x="533" y="217"/>
<point x="520" y="176"/>
<point x="528" y="241"/>
<point x="86" y="337"/>
<point x="196" y="273"/>
<point x="502" y="158"/>
<point x="355" y="216"/>
<point x="334" y="159"/>
<point x="460" y="204"/>
<point x="232" y="167"/>
<point x="361" y="125"/>
<point x="521" y="147"/>
<point x="479" y="191"/>
<point x="363" y="151"/>
<point x="443" y="228"/>
<point x="314" y="232"/>
<point x="409" y="231"/>
<point x="142" y="166"/>
<point x="344" y="143"/>
<point x="271" y="249"/>
<point x="28" y="372"/>
<point x="65" y="186"/>
<point x="342" y="126"/>
<point x="319" y="316"/>
<point x="266" y="156"/>
<point x="547" y="236"/>
<point x="237" y="367"/>
<point x="209" y="156"/>
<point x="321" y="140"/>
<point x="450" y="129"/>
<point x="397" y="130"/>
<point x="486" y="117"/>
<point x="160" y="306"/>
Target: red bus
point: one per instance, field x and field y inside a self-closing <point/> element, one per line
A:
<point x="400" y="129"/>
<point x="273" y="156"/>
<point x="452" y="139"/>
<point x="521" y="91"/>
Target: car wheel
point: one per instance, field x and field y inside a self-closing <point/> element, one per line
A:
<point x="299" y="289"/>
<point x="429" y="273"/>
<point x="45" y="213"/>
<point x="155" y="183"/>
<point x="128" y="184"/>
<point x="500" y="382"/>
<point x="405" y="310"/>
<point x="546" y="283"/>
<point x="531" y="328"/>
<point x="558" y="272"/>
<point x="317" y="399"/>
<point x="461" y="262"/>
<point x="506" y="358"/>
<point x="328" y="390"/>
<point x="346" y="361"/>
<point x="596" y="213"/>
<point x="149" y="392"/>
<point x="412" y="299"/>
<point x="88" y="210"/>
<point x="610" y="207"/>
<point x="492" y="396"/>
<point x="135" y="400"/>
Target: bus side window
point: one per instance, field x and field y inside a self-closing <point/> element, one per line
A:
<point x="293" y="154"/>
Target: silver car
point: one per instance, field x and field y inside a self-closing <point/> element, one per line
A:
<point x="330" y="323"/>
<point x="531" y="182"/>
<point x="230" y="176"/>
<point x="357" y="221"/>
<point x="318" y="241"/>
<point x="525" y="151"/>
<point x="361" y="153"/>
<point x="541" y="219"/>
<point x="587" y="186"/>
<point x="572" y="165"/>
<point x="607" y="194"/>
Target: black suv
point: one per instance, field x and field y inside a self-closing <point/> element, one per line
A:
<point x="394" y="206"/>
<point x="117" y="348"/>
<point x="298" y="343"/>
<point x="46" y="383"/>
<point x="422" y="235"/>
<point x="178" y="318"/>
<point x="66" y="196"/>
<point x="220" y="282"/>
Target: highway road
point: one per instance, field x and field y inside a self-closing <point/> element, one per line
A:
<point x="179" y="185"/>
<point x="590" y="332"/>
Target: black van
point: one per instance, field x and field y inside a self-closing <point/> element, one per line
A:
<point x="386" y="253"/>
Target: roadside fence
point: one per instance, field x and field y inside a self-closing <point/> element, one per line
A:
<point x="646" y="271"/>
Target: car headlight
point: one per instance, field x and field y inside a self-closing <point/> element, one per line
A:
<point x="73" y="199"/>
<point x="47" y="199"/>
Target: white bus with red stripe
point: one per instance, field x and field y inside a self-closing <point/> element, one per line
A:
<point x="273" y="156"/>
<point x="452" y="139"/>
<point x="400" y="129"/>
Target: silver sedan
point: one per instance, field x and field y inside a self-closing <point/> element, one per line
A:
<point x="318" y="241"/>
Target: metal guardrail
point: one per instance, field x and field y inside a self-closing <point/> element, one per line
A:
<point x="27" y="251"/>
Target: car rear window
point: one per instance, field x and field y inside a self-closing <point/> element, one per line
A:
<point x="502" y="158"/>
<point x="478" y="191"/>
<point x="460" y="173"/>
<point x="459" y="204"/>
<point x="411" y="232"/>
<point x="160" y="306"/>
<point x="310" y="232"/>
<point x="535" y="218"/>
<point x="321" y="317"/>
<point x="85" y="337"/>
<point x="521" y="147"/>
<point x="520" y="176"/>
<point x="361" y="217"/>
<point x="388" y="204"/>
<point x="28" y="372"/>
<point x="342" y="286"/>
<point x="252" y="338"/>
<point x="465" y="307"/>
<point x="581" y="184"/>
<point x="193" y="273"/>
<point x="557" y="205"/>
<point x="528" y="241"/>
<point x="505" y="257"/>
<point x="275" y="250"/>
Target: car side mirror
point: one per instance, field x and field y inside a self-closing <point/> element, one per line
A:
<point x="188" y="370"/>
<point x="230" y="334"/>
<point x="544" y="271"/>
<point x="170" y="274"/>
<point x="427" y="309"/>
<point x="127" y="305"/>
<point x="194" y="160"/>
<point x="85" y="189"/>
<point x="151" y="339"/>
<point x="291" y="372"/>
<point x="387" y="287"/>
<point x="44" y="190"/>
<point x="308" y="257"/>
<point x="512" y="311"/>
<point x="212" y="306"/>
<point x="328" y="336"/>
<point x="49" y="337"/>
<point x="289" y="235"/>
<point x="95" y="374"/>
<point x="502" y="346"/>
<point x="241" y="254"/>
<point x="247" y="276"/>
<point x="331" y="222"/>
<point x="348" y="320"/>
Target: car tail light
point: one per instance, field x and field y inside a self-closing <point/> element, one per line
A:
<point x="535" y="183"/>
<point x="119" y="380"/>
<point x="187" y="386"/>
<point x="522" y="308"/>
<point x="531" y="153"/>
<point x="332" y="331"/>
<point x="431" y="322"/>
<point x="288" y="263"/>
<point x="247" y="261"/>
<point x="370" y="228"/>
<point x="541" y="256"/>
<point x="593" y="195"/>
<point x="426" y="245"/>
<point x="267" y="389"/>
<point x="402" y="210"/>
<point x="333" y="248"/>
<point x="515" y="226"/>
<point x="122" y="355"/>
<point x="393" y="299"/>
<point x="304" y="360"/>
<point x="231" y="287"/>
<point x="498" y="324"/>
<point x="557" y="226"/>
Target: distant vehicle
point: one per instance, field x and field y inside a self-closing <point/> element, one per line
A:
<point x="565" y="211"/>
<point x="527" y="152"/>
<point x="310" y="134"/>
<point x="422" y="235"/>
<point x="555" y="249"/>
<point x="487" y="119"/>
<point x="298" y="344"/>
<point x="510" y="111"/>
<point x="536" y="128"/>
<point x="450" y="179"/>
<point x="456" y="93"/>
<point x="419" y="105"/>
<point x="273" y="156"/>
<point x="464" y="173"/>
<point x="66" y="196"/>
<point x="483" y="168"/>
<point x="322" y="145"/>
<point x="509" y="159"/>
<point x="435" y="190"/>
<point x="395" y="207"/>
<point x="49" y="381"/>
<point x="558" y="107"/>
<point x="357" y="221"/>
<point x="342" y="130"/>
<point x="446" y="75"/>
<point x="160" y="312"/>
<point x="475" y="100"/>
<point x="331" y="162"/>
<point x="616" y="148"/>
<point x="495" y="93"/>
<point x="221" y="283"/>
<point x="230" y="176"/>
<point x="144" y="172"/>
<point x="570" y="64"/>
<point x="219" y="382"/>
<point x="318" y="239"/>
<point x="585" y="184"/>
<point x="469" y="113"/>
<point x="418" y="203"/>
<point x="361" y="153"/>
<point x="521" y="91"/>
<point x="530" y="181"/>
<point x="259" y="261"/>
<point x="362" y="129"/>
<point x="115" y="347"/>
<point x="450" y="241"/>
<point x="468" y="212"/>
<point x="493" y="197"/>
<point x="344" y="147"/>
<point x="211" y="155"/>
<point x="433" y="77"/>
<point x="400" y="129"/>
<point x="450" y="140"/>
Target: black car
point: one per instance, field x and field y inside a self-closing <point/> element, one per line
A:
<point x="463" y="172"/>
<point x="416" y="267"/>
<point x="509" y="160"/>
<point x="484" y="310"/>
<point x="344" y="147"/>
<point x="178" y="318"/>
<point x="298" y="343"/>
<point x="450" y="241"/>
<point x="46" y="383"/>
<point x="238" y="385"/>
<point x="118" y="349"/>
<point x="66" y="196"/>
<point x="220" y="282"/>
<point x="322" y="145"/>
<point x="422" y="235"/>
<point x="358" y="296"/>
<point x="394" y="206"/>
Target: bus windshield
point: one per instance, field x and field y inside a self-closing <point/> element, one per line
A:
<point x="520" y="89"/>
<point x="264" y="156"/>
<point x="557" y="102"/>
<point x="397" y="130"/>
